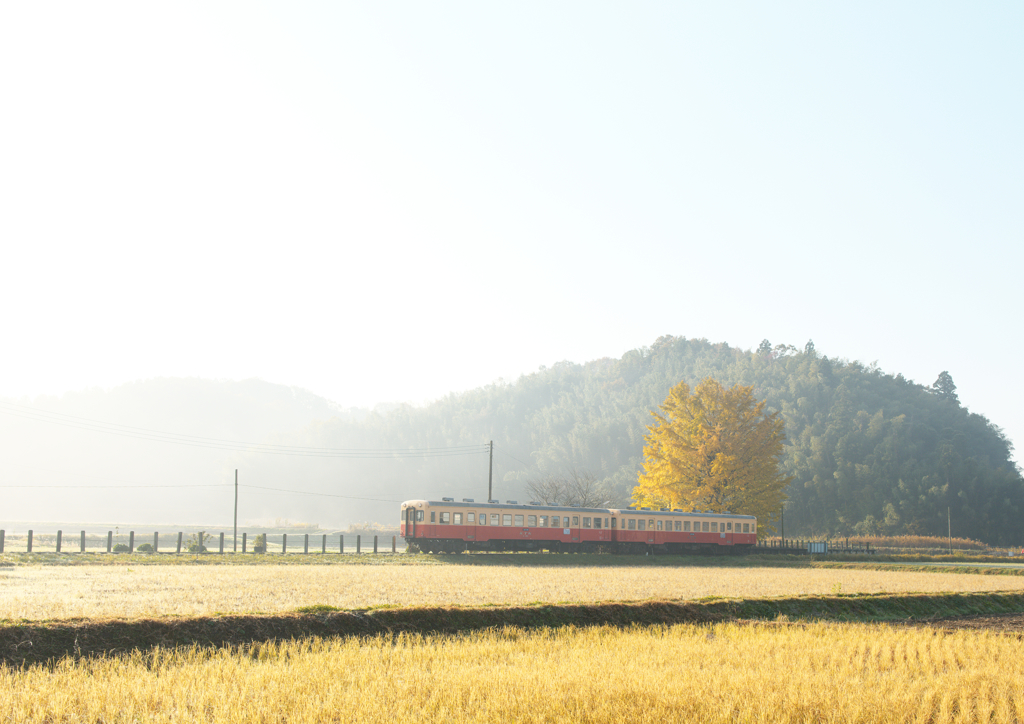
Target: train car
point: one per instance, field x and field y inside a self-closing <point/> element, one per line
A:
<point x="447" y="526"/>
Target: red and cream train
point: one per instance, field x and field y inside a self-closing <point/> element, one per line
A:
<point x="445" y="526"/>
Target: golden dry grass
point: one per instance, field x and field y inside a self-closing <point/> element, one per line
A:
<point x="46" y="592"/>
<point x="725" y="673"/>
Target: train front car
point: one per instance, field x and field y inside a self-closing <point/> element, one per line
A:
<point x="447" y="526"/>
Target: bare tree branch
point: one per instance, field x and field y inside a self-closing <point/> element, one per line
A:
<point x="575" y="487"/>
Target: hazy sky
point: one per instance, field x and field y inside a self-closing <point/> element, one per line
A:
<point x="392" y="201"/>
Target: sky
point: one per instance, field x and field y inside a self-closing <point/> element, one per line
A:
<point x="386" y="202"/>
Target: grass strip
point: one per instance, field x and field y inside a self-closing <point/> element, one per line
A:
<point x="24" y="643"/>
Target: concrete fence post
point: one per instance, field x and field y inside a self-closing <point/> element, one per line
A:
<point x="394" y="541"/>
<point x="374" y="544"/>
<point x="60" y="539"/>
<point x="323" y="546"/>
<point x="2" y="534"/>
<point x="243" y="542"/>
<point x="82" y="544"/>
<point x="341" y="544"/>
<point x="110" y="541"/>
<point x="358" y="541"/>
<point x="156" y="542"/>
<point x="179" y="543"/>
<point x="221" y="542"/>
<point x="305" y="544"/>
<point x="284" y="543"/>
<point x="131" y="541"/>
<point x="30" y="541"/>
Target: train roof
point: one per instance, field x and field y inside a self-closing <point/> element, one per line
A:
<point x="469" y="503"/>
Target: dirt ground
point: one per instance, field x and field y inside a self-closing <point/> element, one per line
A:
<point x="1010" y="623"/>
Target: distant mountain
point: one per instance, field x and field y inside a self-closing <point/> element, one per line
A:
<point x="68" y="450"/>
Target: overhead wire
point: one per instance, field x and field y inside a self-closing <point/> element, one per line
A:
<point x="510" y="455"/>
<point x="91" y="487"/>
<point x="323" y="495"/>
<point x="32" y="413"/>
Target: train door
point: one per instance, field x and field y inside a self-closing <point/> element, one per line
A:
<point x="410" y="522"/>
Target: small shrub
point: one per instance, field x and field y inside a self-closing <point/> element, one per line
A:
<point x="145" y="548"/>
<point x="195" y="545"/>
<point x="121" y="548"/>
<point x="259" y="543"/>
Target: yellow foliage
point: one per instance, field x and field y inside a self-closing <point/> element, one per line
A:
<point x="714" y="449"/>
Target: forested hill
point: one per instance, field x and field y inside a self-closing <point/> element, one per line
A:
<point x="869" y="452"/>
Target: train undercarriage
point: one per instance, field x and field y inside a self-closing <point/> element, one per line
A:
<point x="501" y="546"/>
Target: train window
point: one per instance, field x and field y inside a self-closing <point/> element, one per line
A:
<point x="714" y="527"/>
<point x="686" y="525"/>
<point x="650" y="524"/>
<point x="586" y="522"/>
<point x="597" y="522"/>
<point x="446" y="518"/>
<point x="506" y="519"/>
<point x="631" y="523"/>
<point x="728" y="526"/>
<point x="470" y="517"/>
<point x="659" y="525"/>
<point x="554" y="522"/>
<point x="641" y="525"/>
<point x="494" y="519"/>
<point x="432" y="517"/>
<point x="419" y="516"/>
<point x="705" y="527"/>
<point x="543" y="521"/>
<point x="531" y="521"/>
<point x="614" y="524"/>
<point x="679" y="526"/>
<point x="519" y="520"/>
<point x="576" y="521"/>
<point x="746" y="527"/>
<point x="458" y="519"/>
<point x="483" y="519"/>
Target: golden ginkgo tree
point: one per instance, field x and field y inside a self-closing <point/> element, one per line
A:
<point x="714" y="449"/>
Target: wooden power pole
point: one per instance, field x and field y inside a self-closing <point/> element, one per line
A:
<point x="235" y="544"/>
<point x="490" y="472"/>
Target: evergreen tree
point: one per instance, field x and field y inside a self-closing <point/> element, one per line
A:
<point x="944" y="387"/>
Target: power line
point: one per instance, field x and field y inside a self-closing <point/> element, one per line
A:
<point x="323" y="495"/>
<point x="141" y="433"/>
<point x="91" y="487"/>
<point x="511" y="456"/>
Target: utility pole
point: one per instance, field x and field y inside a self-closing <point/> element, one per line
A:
<point x="949" y="530"/>
<point x="782" y="519"/>
<point x="235" y="544"/>
<point x="490" y="472"/>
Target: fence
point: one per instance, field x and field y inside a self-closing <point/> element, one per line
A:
<point x="199" y="542"/>
<point x="800" y="546"/>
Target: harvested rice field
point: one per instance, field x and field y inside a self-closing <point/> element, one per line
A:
<point x="722" y="673"/>
<point x="49" y="592"/>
